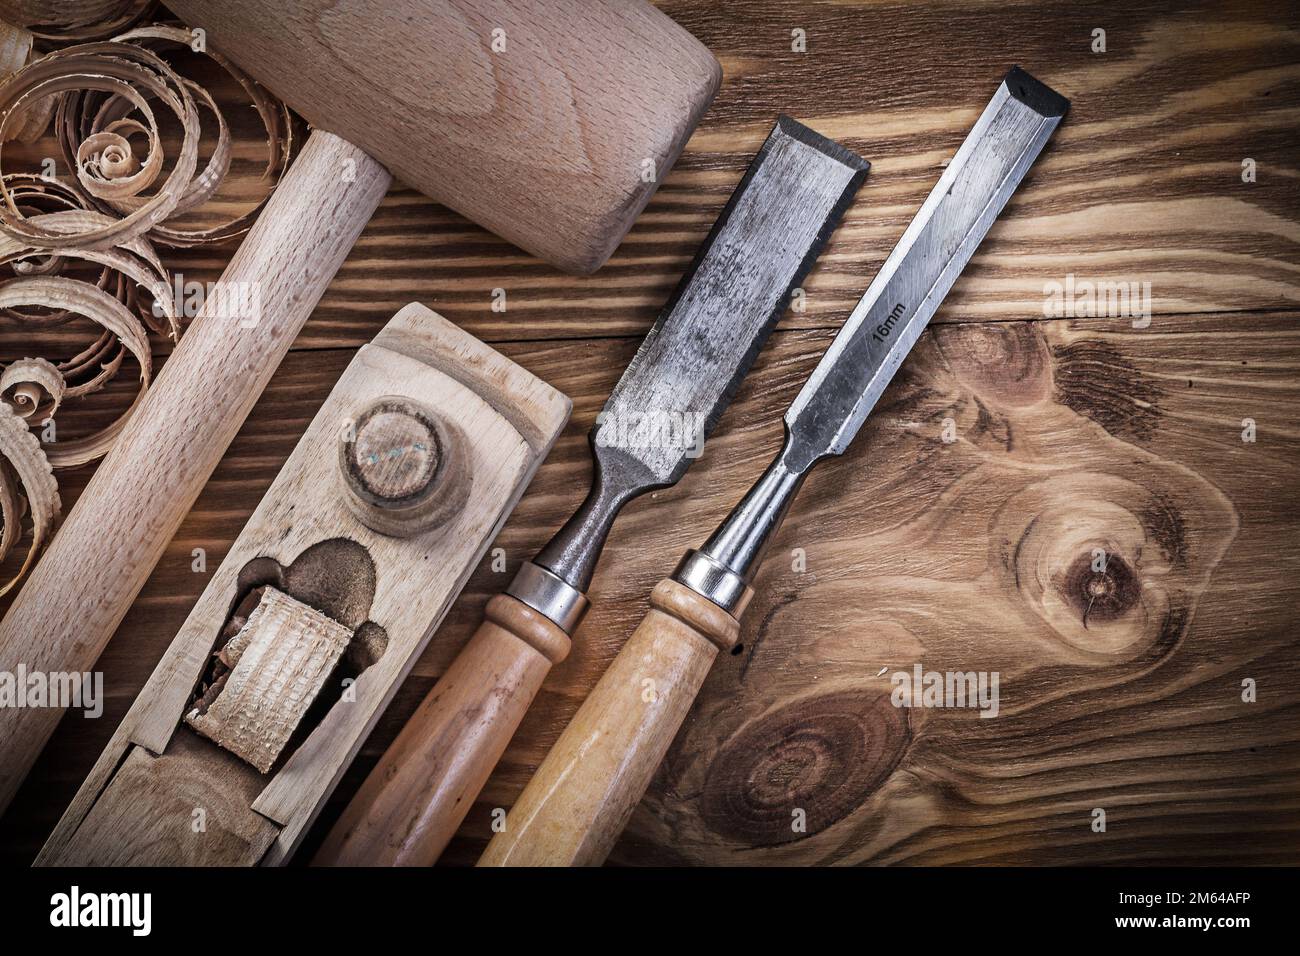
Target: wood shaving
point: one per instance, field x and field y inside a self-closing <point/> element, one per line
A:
<point x="106" y="95"/>
<point x="60" y="292"/>
<point x="81" y="242"/>
<point x="277" y="123"/>
<point x="270" y="673"/>
<point x="133" y="78"/>
<point x="33" y="388"/>
<point x="17" y="46"/>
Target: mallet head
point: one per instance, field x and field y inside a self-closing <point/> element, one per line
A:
<point x="549" y="122"/>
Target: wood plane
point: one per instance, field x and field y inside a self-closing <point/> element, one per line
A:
<point x="321" y="607"/>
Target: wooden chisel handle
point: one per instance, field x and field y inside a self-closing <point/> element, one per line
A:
<point x="101" y="557"/>
<point x="425" y="783"/>
<point x="578" y="802"/>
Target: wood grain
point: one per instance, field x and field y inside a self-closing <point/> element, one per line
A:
<point x="218" y="785"/>
<point x="1143" y="181"/>
<point x="1080" y="426"/>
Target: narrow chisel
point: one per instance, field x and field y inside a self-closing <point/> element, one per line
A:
<point x="576" y="805"/>
<point x="651" y="429"/>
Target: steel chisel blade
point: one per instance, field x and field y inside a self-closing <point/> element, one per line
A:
<point x="709" y="333"/>
<point x="936" y="246"/>
<point x="691" y="362"/>
<point x="829" y="410"/>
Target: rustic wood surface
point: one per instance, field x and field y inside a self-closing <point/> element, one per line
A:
<point x="1122" y="692"/>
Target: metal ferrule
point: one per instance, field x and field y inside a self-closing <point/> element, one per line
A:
<point x="549" y="595"/>
<point x="711" y="580"/>
<point x="722" y="569"/>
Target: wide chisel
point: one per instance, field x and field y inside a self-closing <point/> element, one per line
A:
<point x="581" y="797"/>
<point x="654" y="424"/>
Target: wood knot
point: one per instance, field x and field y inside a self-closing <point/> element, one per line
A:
<point x="1006" y="364"/>
<point x="396" y="453"/>
<point x="795" y="772"/>
<point x="1101" y="588"/>
<point x="1088" y="563"/>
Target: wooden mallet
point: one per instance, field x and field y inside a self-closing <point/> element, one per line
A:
<point x="546" y="121"/>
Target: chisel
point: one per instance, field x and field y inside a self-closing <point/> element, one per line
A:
<point x="581" y="797"/>
<point x="678" y="384"/>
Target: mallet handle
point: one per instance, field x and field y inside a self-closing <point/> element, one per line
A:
<point x="108" y="546"/>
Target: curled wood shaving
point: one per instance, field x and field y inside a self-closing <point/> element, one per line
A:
<point x="269" y="674"/>
<point x="33" y="388"/>
<point x="277" y="124"/>
<point x="60" y="292"/>
<point x="133" y="78"/>
<point x="23" y="465"/>
<point x="35" y="195"/>
<point x="81" y="243"/>
<point x="135" y="259"/>
<point x="16" y="48"/>
<point x="124" y="324"/>
<point x="104" y="93"/>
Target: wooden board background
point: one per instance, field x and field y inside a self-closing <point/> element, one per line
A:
<point x="1121" y="693"/>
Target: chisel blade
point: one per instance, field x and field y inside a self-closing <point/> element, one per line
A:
<point x="887" y="321"/>
<point x="846" y="384"/>
<point x="692" y="361"/>
<point x="709" y="333"/>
